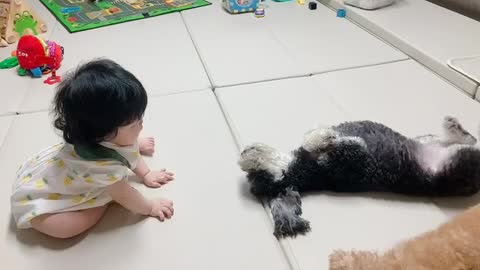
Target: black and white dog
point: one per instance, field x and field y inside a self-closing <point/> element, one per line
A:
<point x="359" y="157"/>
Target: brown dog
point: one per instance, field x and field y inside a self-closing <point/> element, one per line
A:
<point x="455" y="245"/>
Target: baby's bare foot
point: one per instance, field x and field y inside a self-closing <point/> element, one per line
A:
<point x="146" y="146"/>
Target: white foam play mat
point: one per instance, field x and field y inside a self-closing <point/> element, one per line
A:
<point x="468" y="66"/>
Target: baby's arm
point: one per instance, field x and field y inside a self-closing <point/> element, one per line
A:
<point x="142" y="168"/>
<point x="128" y="197"/>
<point x="152" y="178"/>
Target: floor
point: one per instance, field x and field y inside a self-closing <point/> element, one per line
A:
<point x="217" y="82"/>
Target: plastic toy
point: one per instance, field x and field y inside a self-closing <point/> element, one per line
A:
<point x="36" y="57"/>
<point x="341" y="13"/>
<point x="18" y="19"/>
<point x="10" y="62"/>
<point x="239" y="6"/>
<point x="312" y="5"/>
<point x="260" y="11"/>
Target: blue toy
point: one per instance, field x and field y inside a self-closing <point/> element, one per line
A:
<point x="260" y="11"/>
<point x="240" y="6"/>
<point x="341" y="13"/>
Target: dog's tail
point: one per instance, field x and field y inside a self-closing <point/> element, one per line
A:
<point x="355" y="260"/>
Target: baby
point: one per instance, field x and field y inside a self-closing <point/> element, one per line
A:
<point x="65" y="189"/>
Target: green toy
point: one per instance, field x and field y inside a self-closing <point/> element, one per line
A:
<point x="10" y="62"/>
<point x="21" y="72"/>
<point x="24" y="22"/>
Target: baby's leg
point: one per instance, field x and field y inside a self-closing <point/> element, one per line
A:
<point x="146" y="145"/>
<point x="68" y="224"/>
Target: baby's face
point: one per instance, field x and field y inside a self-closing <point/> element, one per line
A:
<point x="128" y="135"/>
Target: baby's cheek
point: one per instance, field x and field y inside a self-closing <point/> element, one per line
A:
<point x="137" y="134"/>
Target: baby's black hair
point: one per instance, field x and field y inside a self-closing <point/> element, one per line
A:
<point x="96" y="99"/>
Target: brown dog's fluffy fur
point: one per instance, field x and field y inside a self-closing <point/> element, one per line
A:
<point x="455" y="245"/>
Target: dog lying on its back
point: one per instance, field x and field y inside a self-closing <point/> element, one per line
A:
<point x="454" y="245"/>
<point x="359" y="157"/>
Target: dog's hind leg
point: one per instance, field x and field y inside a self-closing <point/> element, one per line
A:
<point x="344" y="160"/>
<point x="458" y="173"/>
<point x="324" y="140"/>
<point x="453" y="133"/>
<point x="319" y="139"/>
<point x="286" y="210"/>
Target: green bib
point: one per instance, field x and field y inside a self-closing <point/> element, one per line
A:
<point x="99" y="152"/>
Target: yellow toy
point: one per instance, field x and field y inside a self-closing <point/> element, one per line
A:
<point x="17" y="19"/>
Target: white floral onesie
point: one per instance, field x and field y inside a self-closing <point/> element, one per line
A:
<point x="65" y="178"/>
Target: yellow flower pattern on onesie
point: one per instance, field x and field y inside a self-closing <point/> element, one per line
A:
<point x="78" y="198"/>
<point x="59" y="180"/>
<point x="41" y="183"/>
<point x="91" y="201"/>
<point x="54" y="196"/>
<point x="31" y="216"/>
<point x="67" y="181"/>
<point x="112" y="177"/>
<point x="88" y="178"/>
<point x="26" y="178"/>
<point x="25" y="200"/>
<point x="102" y="162"/>
<point x="136" y="154"/>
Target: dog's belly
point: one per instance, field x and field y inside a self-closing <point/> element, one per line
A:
<point x="432" y="157"/>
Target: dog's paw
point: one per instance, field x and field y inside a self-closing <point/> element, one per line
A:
<point x="452" y="125"/>
<point x="286" y="210"/>
<point x="450" y="121"/>
<point x="318" y="139"/>
<point x="292" y="228"/>
<point x="292" y="198"/>
<point x="456" y="133"/>
<point x="259" y="157"/>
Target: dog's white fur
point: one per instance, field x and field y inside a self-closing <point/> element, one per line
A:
<point x="263" y="157"/>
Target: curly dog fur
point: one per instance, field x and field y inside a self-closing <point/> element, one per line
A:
<point x="452" y="246"/>
<point x="358" y="157"/>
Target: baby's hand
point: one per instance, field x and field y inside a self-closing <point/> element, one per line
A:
<point x="162" y="208"/>
<point x="156" y="179"/>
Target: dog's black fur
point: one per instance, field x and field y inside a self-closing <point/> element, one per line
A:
<point x="359" y="157"/>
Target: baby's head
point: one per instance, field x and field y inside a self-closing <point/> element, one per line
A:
<point x="100" y="101"/>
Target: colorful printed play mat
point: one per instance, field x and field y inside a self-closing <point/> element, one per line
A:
<point x="80" y="15"/>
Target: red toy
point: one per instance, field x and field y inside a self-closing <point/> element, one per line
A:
<point x="36" y="57"/>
